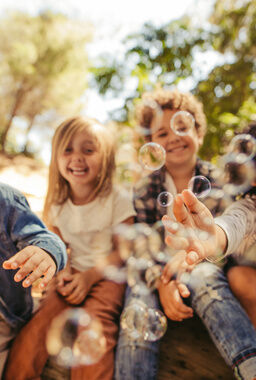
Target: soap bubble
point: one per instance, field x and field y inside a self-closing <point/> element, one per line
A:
<point x="182" y="123"/>
<point x="128" y="174"/>
<point x="133" y="319"/>
<point x="235" y="177"/>
<point x="165" y="199"/>
<point x="152" y="156"/>
<point x="75" y="338"/>
<point x="243" y="147"/>
<point x="155" y="326"/>
<point x="200" y="186"/>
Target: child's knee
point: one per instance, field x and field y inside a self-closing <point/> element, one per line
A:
<point x="242" y="281"/>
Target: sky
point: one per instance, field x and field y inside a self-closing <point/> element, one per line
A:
<point x="113" y="20"/>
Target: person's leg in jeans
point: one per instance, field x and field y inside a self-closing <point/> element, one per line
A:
<point x="137" y="359"/>
<point x="225" y="319"/>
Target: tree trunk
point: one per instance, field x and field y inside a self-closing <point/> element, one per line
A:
<point x="29" y="127"/>
<point x="16" y="105"/>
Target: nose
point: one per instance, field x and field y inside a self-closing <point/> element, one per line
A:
<point x="77" y="157"/>
<point x="173" y="137"/>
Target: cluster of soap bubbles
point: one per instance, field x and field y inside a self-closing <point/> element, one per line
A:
<point x="142" y="322"/>
<point x="76" y="338"/>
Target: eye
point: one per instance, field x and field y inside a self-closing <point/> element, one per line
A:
<point x="68" y="149"/>
<point x="163" y="134"/>
<point x="88" y="150"/>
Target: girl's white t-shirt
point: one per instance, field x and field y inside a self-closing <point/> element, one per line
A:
<point x="88" y="228"/>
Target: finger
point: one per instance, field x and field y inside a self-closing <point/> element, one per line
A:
<point x="76" y="297"/>
<point x="62" y="278"/>
<point x="48" y="276"/>
<point x="36" y="274"/>
<point x="30" y="265"/>
<point x="175" y="264"/>
<point x="195" y="206"/>
<point x="19" y="258"/>
<point x="168" y="272"/>
<point x="170" y="224"/>
<point x="177" y="314"/>
<point x="68" y="288"/>
<point x="192" y="258"/>
<point x="180" y="211"/>
<point x="184" y="292"/>
<point x="60" y="282"/>
<point x="182" y="310"/>
<point x="177" y="242"/>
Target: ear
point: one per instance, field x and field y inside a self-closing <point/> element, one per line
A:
<point x="200" y="140"/>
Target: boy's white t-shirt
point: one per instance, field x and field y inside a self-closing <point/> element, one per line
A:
<point x="88" y="228"/>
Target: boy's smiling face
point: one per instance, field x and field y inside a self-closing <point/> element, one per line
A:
<point x="180" y="150"/>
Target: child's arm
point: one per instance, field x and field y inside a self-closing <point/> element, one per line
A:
<point x="28" y="230"/>
<point x="34" y="263"/>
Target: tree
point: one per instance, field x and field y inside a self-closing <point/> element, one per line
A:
<point x="173" y="52"/>
<point x="43" y="66"/>
<point x="229" y="91"/>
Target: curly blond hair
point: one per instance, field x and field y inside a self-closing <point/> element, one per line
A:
<point x="173" y="100"/>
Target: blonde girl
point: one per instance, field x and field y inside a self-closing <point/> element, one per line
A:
<point x="82" y="205"/>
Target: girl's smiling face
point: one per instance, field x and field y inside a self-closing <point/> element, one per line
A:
<point x="80" y="162"/>
<point x="180" y="150"/>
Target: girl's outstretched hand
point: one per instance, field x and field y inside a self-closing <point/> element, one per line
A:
<point x="34" y="263"/>
<point x="194" y="230"/>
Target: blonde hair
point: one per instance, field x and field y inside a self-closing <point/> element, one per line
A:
<point x="171" y="99"/>
<point x="58" y="187"/>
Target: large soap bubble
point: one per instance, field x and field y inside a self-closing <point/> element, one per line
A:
<point x="76" y="338"/>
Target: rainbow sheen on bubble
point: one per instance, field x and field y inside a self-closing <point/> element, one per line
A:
<point x="182" y="123"/>
<point x="165" y="199"/>
<point x="152" y="156"/>
<point x="200" y="186"/>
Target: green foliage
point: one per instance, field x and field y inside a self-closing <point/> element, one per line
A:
<point x="169" y="54"/>
<point x="43" y="66"/>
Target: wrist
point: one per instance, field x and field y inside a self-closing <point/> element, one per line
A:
<point x="221" y="246"/>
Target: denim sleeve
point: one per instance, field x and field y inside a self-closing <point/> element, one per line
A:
<point x="27" y="229"/>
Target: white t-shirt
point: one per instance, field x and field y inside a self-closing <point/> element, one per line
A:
<point x="88" y="228"/>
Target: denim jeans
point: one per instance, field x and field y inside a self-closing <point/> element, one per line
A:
<point x="226" y="321"/>
<point x="137" y="359"/>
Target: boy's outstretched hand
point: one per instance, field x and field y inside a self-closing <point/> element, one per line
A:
<point x="196" y="232"/>
<point x="34" y="263"/>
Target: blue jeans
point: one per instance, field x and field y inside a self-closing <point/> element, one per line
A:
<point x="137" y="359"/>
<point x="227" y="323"/>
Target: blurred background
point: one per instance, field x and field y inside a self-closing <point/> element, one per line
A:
<point x="60" y="58"/>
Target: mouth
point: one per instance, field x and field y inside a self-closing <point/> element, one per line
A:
<point x="78" y="171"/>
<point x="177" y="149"/>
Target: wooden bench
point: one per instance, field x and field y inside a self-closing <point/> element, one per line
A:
<point x="188" y="353"/>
